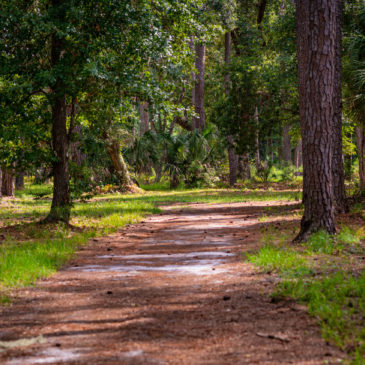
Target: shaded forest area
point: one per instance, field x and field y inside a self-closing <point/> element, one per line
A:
<point x="112" y="110"/>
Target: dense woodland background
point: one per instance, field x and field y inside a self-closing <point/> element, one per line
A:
<point x="199" y="93"/>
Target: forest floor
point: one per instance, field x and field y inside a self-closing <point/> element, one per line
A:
<point x="180" y="287"/>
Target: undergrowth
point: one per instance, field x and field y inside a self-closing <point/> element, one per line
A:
<point x="324" y="274"/>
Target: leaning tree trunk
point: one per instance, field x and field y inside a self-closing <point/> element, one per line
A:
<point x="7" y="183"/>
<point x="61" y="201"/>
<point x="258" y="160"/>
<point x="360" y="139"/>
<point x="316" y="37"/>
<point x="120" y="167"/>
<point x="338" y="171"/>
<point x="198" y="95"/>
<point x="286" y="144"/>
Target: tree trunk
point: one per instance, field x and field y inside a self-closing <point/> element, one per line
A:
<point x="233" y="162"/>
<point x="316" y="37"/>
<point x="61" y="202"/>
<point x="338" y="170"/>
<point x="258" y="160"/>
<point x="7" y="183"/>
<point x="286" y="144"/>
<point x="120" y="167"/>
<point x="232" y="157"/>
<point x="360" y="139"/>
<point x="143" y="110"/>
<point x="244" y="166"/>
<point x="19" y="181"/>
<point x="298" y="155"/>
<point x="199" y="121"/>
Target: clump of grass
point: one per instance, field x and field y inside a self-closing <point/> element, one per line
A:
<point x="339" y="301"/>
<point x="335" y="296"/>
<point x="22" y="264"/>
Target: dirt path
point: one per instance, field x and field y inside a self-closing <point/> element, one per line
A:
<point x="171" y="290"/>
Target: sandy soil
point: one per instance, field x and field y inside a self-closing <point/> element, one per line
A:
<point x="173" y="289"/>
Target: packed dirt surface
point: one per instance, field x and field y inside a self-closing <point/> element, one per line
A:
<point x="173" y="289"/>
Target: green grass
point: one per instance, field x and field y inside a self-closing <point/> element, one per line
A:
<point x="31" y="251"/>
<point x="319" y="273"/>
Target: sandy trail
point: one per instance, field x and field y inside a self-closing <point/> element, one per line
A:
<point x="171" y="290"/>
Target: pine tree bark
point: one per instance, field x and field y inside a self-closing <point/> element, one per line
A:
<point x="7" y="183"/>
<point x="360" y="141"/>
<point x="316" y="37"/>
<point x="198" y="96"/>
<point x="286" y="144"/>
<point x="338" y="171"/>
<point x="61" y="201"/>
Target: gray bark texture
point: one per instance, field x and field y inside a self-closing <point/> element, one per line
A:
<point x="317" y="23"/>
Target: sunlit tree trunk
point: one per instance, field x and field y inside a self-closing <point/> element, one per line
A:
<point x="316" y="35"/>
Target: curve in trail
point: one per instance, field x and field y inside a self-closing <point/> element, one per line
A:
<point x="173" y="289"/>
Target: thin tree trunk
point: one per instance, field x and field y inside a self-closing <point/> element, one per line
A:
<point x="316" y="36"/>
<point x="338" y="170"/>
<point x="143" y="110"/>
<point x="232" y="157"/>
<point x="298" y="155"/>
<point x="258" y="160"/>
<point x="199" y="121"/>
<point x="19" y="181"/>
<point x="7" y="183"/>
<point x="61" y="201"/>
<point x="360" y="139"/>
<point x="286" y="144"/>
